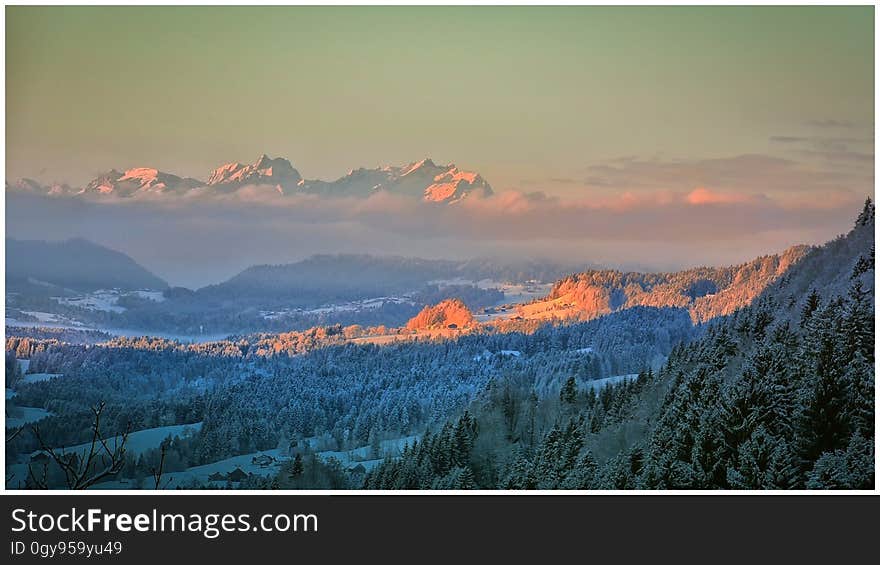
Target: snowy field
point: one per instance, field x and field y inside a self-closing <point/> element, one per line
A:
<point x="101" y="301"/>
<point x="107" y="300"/>
<point x="72" y="325"/>
<point x="514" y="295"/>
<point x="598" y="384"/>
<point x="353" y="306"/>
<point x="201" y="474"/>
<point x="154" y="295"/>
<point x="45" y="317"/>
<point x="503" y="353"/>
<point x="182" y="338"/>
<point x="17" y="416"/>
<point x="140" y="441"/>
<point x="60" y="323"/>
<point x="362" y="455"/>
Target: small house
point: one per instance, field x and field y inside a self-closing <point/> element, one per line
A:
<point x="40" y="458"/>
<point x="358" y="470"/>
<point x="236" y="476"/>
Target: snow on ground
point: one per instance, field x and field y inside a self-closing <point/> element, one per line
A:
<point x="107" y="300"/>
<point x="154" y="295"/>
<point x="354" y="306"/>
<point x="598" y="384"/>
<point x="182" y="338"/>
<point x="201" y="473"/>
<point x="121" y="332"/>
<point x="514" y="295"/>
<point x="503" y="312"/>
<point x="62" y="323"/>
<point x="42" y="317"/>
<point x="245" y="462"/>
<point x="38" y="377"/>
<point x="138" y="442"/>
<point x="100" y="301"/>
<point x="358" y="305"/>
<point x="142" y="440"/>
<point x="24" y="364"/>
<point x="521" y="293"/>
<point x="503" y="353"/>
<point x="362" y="455"/>
<point x="17" y="416"/>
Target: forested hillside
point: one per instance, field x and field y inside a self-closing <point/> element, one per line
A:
<point x="706" y="292"/>
<point x="778" y="395"/>
<point x="251" y="398"/>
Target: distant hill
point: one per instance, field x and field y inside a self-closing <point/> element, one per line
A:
<point x="328" y="278"/>
<point x="450" y="313"/>
<point x="332" y="278"/>
<point x="707" y="292"/>
<point x="779" y="394"/>
<point x="75" y="264"/>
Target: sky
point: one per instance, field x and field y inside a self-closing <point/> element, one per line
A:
<point x="565" y="109"/>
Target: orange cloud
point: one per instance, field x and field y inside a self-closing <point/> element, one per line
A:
<point x="702" y="195"/>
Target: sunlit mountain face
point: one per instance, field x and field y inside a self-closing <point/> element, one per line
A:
<point x="422" y="179"/>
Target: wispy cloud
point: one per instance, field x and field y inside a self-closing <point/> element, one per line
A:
<point x="748" y="173"/>
<point x="707" y="212"/>
<point x="657" y="212"/>
<point x="856" y="153"/>
<point x="787" y="139"/>
<point x="831" y="124"/>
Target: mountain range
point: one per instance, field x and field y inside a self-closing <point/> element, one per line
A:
<point x="423" y="179"/>
<point x="36" y="268"/>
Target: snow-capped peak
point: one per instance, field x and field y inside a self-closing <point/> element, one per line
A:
<point x="422" y="179"/>
<point x="144" y="174"/>
<point x="425" y="163"/>
<point x="265" y="170"/>
<point x="454" y="185"/>
<point x="138" y="180"/>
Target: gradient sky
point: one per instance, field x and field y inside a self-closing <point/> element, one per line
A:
<point x="531" y="97"/>
<point x="649" y="138"/>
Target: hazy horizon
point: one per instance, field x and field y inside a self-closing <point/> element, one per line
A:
<point x="658" y="138"/>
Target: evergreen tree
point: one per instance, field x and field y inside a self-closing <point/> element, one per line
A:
<point x="568" y="393"/>
<point x="296" y="468"/>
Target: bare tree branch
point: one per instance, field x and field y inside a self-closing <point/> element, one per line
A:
<point x="157" y="472"/>
<point x="14" y="434"/>
<point x="78" y="470"/>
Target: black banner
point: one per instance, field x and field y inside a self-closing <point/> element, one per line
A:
<point x="275" y="528"/>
